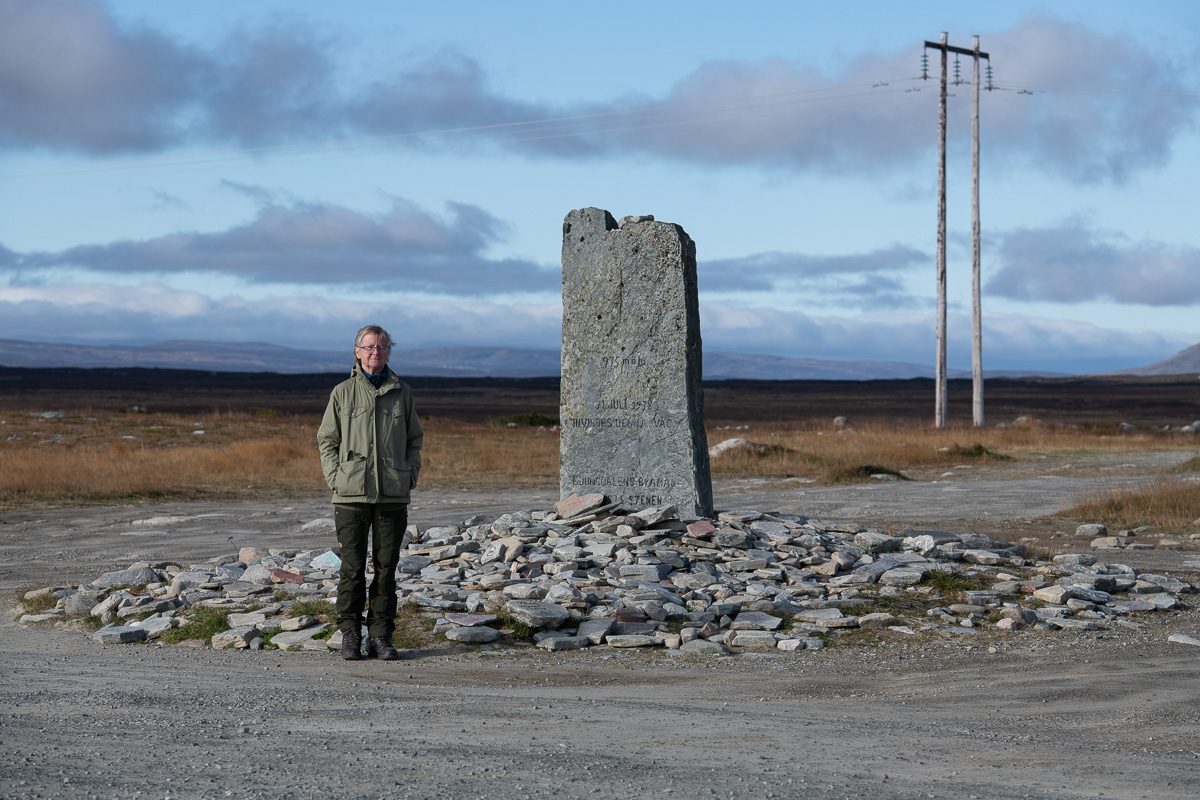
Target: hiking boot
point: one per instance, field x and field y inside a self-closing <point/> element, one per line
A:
<point x="381" y="647"/>
<point x="352" y="644"/>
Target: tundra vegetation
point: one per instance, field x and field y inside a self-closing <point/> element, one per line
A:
<point x="106" y="456"/>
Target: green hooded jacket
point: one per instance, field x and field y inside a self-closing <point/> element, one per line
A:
<point x="370" y="441"/>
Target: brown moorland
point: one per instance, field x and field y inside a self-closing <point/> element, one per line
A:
<point x="1146" y="402"/>
<point x="147" y="434"/>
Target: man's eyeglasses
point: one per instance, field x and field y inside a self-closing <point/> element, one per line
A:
<point x="374" y="348"/>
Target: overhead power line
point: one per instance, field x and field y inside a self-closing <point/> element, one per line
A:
<point x="541" y="129"/>
<point x="564" y="127"/>
<point x="1100" y="91"/>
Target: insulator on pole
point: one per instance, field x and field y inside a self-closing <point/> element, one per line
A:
<point x="925" y="66"/>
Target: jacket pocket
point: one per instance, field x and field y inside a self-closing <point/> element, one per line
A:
<point x="397" y="479"/>
<point x="351" y="477"/>
<point x="391" y="416"/>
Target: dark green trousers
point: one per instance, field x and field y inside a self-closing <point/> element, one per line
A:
<point x="386" y="526"/>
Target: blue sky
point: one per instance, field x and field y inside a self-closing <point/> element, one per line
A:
<point x="289" y="173"/>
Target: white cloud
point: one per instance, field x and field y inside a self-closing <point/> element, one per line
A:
<point x="872" y="279"/>
<point x="405" y="248"/>
<point x="149" y="299"/>
<point x="1072" y="263"/>
<point x="107" y="314"/>
<point x="1009" y="341"/>
<point x="72" y="78"/>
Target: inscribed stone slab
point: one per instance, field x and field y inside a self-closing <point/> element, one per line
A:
<point x="632" y="405"/>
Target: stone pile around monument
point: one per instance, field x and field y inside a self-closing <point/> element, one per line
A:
<point x="590" y="573"/>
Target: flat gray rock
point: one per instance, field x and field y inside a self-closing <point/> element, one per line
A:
<point x="286" y="640"/>
<point x="120" y="634"/>
<point x="477" y="634"/>
<point x="79" y="605"/>
<point x="746" y="564"/>
<point x="937" y="537"/>
<point x="754" y="640"/>
<point x="238" y="638"/>
<point x="576" y="505"/>
<point x="1075" y="624"/>
<point x="558" y="643"/>
<point x="155" y="626"/>
<point x="596" y="629"/>
<point x="705" y="647"/>
<point x="297" y="623"/>
<point x="1180" y="638"/>
<point x="820" y="616"/>
<point x="258" y="573"/>
<point x="536" y="614"/>
<point x="875" y="542"/>
<point x="471" y="620"/>
<point x="645" y="572"/>
<point x="982" y="557"/>
<point x="731" y="538"/>
<point x="905" y="576"/>
<point x="412" y="565"/>
<point x="633" y="640"/>
<point x="135" y="576"/>
<point x="757" y="620"/>
<point x="244" y="589"/>
<point x="880" y="619"/>
<point x="693" y="580"/>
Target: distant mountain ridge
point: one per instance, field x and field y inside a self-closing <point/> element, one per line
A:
<point x="467" y="362"/>
<point x="1181" y="363"/>
<point x="470" y="362"/>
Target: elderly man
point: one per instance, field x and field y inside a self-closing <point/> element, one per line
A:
<point x="370" y="440"/>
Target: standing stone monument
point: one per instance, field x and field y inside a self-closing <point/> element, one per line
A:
<point x="632" y="405"/>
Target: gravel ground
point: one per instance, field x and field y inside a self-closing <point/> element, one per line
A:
<point x="1032" y="714"/>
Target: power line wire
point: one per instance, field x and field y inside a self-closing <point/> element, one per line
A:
<point x="557" y="128"/>
<point x="1100" y="91"/>
<point x="670" y="115"/>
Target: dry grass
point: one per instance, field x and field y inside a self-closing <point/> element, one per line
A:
<point x="464" y="454"/>
<point x="102" y="457"/>
<point x="828" y="456"/>
<point x="414" y="629"/>
<point x="120" y="471"/>
<point x="37" y="604"/>
<point x="1172" y="505"/>
<point x="319" y="609"/>
<point x="1191" y="465"/>
<point x="202" y="622"/>
<point x="115" y="457"/>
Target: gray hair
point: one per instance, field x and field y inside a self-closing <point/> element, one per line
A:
<point x="385" y="338"/>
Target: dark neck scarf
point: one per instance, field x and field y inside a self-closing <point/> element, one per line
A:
<point x="376" y="380"/>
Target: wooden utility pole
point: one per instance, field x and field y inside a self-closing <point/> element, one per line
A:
<point x="977" y="349"/>
<point x="939" y="399"/>
<point x="976" y="304"/>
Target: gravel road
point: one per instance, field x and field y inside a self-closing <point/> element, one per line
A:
<point x="1042" y="715"/>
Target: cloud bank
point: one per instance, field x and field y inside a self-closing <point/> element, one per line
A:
<point x="73" y="79"/>
<point x="410" y="249"/>
<point x="870" y="280"/>
<point x="405" y="248"/>
<point x="1071" y="263"/>
<point x="152" y="313"/>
